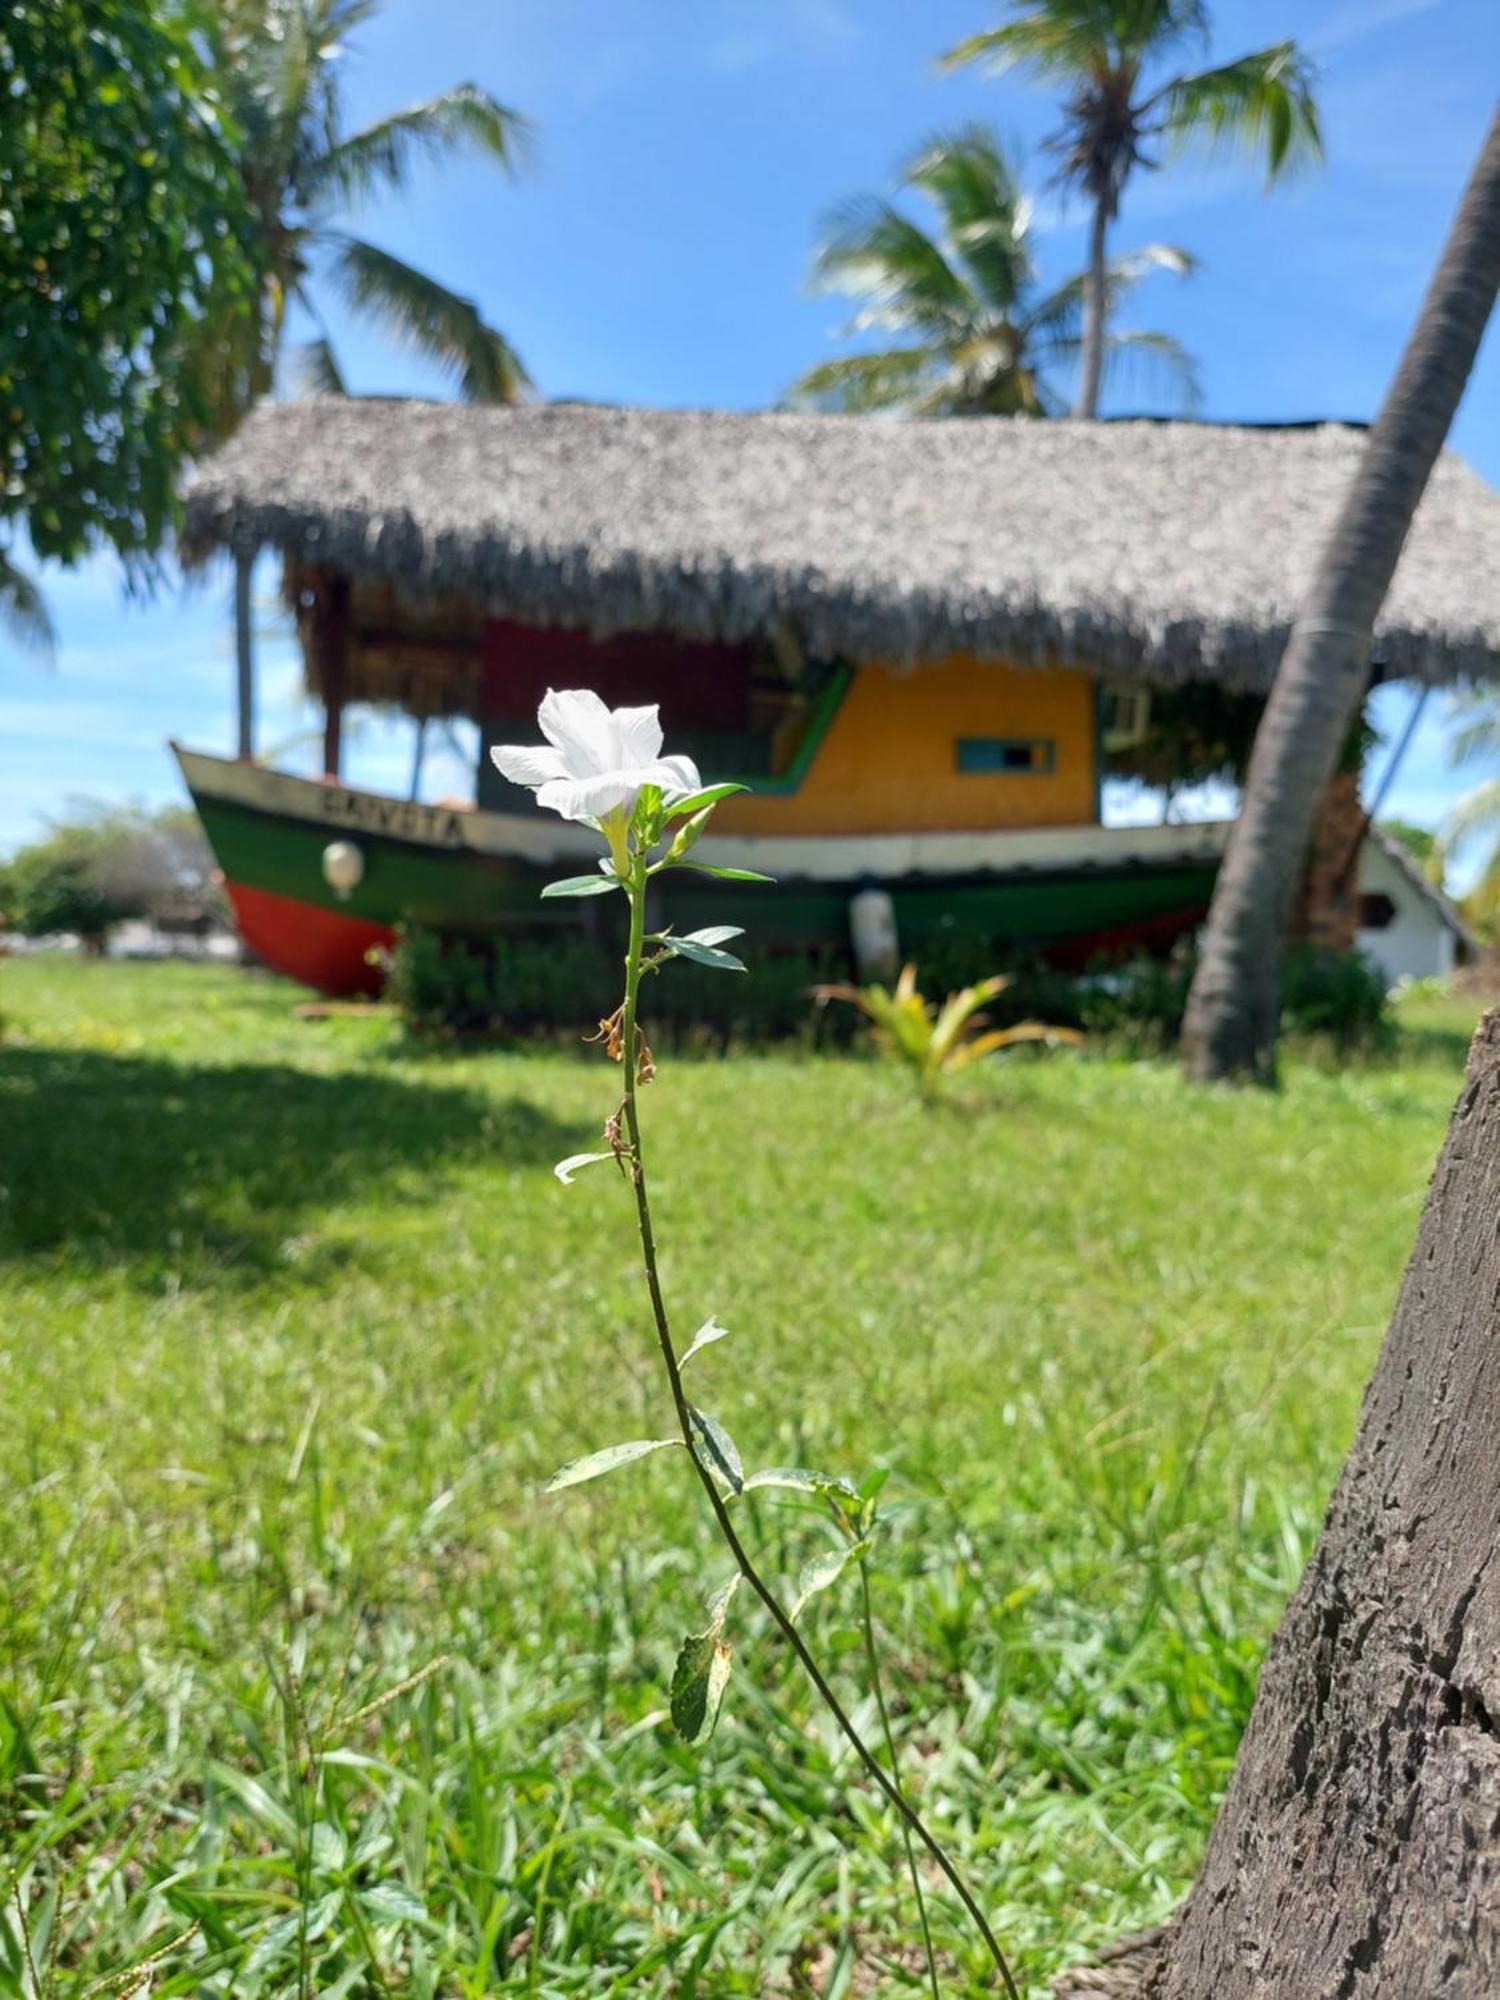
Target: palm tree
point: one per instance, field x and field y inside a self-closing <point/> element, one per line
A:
<point x="1231" y="1020"/>
<point x="282" y="65"/>
<point x="976" y="337"/>
<point x="1107" y="54"/>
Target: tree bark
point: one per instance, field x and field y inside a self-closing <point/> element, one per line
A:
<point x="1231" y="1021"/>
<point x="1087" y="404"/>
<point x="1357" y="1855"/>
<point x="244" y="655"/>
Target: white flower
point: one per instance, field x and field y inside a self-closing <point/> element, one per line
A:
<point x="598" y="760"/>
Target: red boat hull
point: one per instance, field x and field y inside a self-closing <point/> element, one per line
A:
<point x="324" y="949"/>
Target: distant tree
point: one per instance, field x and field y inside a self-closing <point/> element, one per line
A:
<point x="975" y="334"/>
<point x="283" y="64"/>
<point x="1108" y="56"/>
<point x="103" y="864"/>
<point x="54" y="885"/>
<point x="123" y="233"/>
<point x="1420" y="842"/>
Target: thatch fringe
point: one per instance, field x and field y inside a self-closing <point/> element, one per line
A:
<point x="1170" y="553"/>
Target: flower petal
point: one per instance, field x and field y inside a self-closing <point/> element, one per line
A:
<point x="639" y="731"/>
<point x="582" y="728"/>
<point x="527" y="764"/>
<point x="591" y="798"/>
<point x="677" y="776"/>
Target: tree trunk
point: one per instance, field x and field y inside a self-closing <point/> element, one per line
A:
<point x="244" y="655"/>
<point x="1327" y="909"/>
<point x="1357" y="1854"/>
<point x="1230" y="1026"/>
<point x="1087" y="404"/>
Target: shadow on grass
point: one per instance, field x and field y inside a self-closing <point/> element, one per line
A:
<point x="206" y="1172"/>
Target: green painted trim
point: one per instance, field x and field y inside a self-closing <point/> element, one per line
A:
<point x="794" y="777"/>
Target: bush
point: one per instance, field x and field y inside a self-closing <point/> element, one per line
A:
<point x="441" y="986"/>
<point x="527" y="985"/>
<point x="1338" y="994"/>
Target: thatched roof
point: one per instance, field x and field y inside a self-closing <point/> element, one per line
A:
<point x="1168" y="551"/>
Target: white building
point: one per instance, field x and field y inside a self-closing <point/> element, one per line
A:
<point x="1408" y="927"/>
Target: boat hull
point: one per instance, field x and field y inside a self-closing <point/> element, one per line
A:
<point x="1068" y="893"/>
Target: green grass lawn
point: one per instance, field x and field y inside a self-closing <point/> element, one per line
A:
<point x="293" y="1323"/>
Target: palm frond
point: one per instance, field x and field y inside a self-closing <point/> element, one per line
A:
<point x="23" y="609"/>
<point x="317" y="369"/>
<point x="1261" y="102"/>
<point x="898" y="379"/>
<point x="383" y="155"/>
<point x="428" y="317"/>
<point x="1060" y="313"/>
<point x="877" y="254"/>
<point x="1076" y="39"/>
<point x="1164" y="356"/>
<point x="1478" y="811"/>
<point x="1475" y="714"/>
<point x="985" y="214"/>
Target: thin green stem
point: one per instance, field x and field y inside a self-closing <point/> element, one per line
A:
<point x="878" y="1683"/>
<point x="630" y="1058"/>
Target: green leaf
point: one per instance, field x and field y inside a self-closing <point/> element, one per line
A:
<point x="330" y="1846"/>
<point x="795" y="1479"/>
<point x="702" y="801"/>
<point x="582" y="885"/>
<point x="727" y="874"/>
<point x="698" y="1683"/>
<point x="704" y="954"/>
<point x="390" y="1905"/>
<point x="719" y="1603"/>
<point x="577" y="1470"/>
<point x="712" y="934"/>
<point x="707" y="1334"/>
<point x="719" y="1447"/>
<point x="646" y="817"/>
<point x="820" y="1571"/>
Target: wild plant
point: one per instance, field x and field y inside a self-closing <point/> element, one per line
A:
<point x="937" y="1042"/>
<point x="605" y="769"/>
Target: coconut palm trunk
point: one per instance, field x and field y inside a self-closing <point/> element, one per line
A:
<point x="1232" y="1013"/>
<point x="1095" y="288"/>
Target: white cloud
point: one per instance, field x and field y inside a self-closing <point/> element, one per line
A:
<point x="761" y="32"/>
<point x="1359" y="18"/>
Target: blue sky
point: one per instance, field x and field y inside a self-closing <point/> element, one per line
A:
<point x="655" y="250"/>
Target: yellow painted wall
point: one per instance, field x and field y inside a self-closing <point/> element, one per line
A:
<point x="889" y="761"/>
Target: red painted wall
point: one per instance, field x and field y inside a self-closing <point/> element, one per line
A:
<point x="698" y="686"/>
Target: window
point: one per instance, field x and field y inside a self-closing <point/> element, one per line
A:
<point x="1124" y="717"/>
<point x="1020" y="756"/>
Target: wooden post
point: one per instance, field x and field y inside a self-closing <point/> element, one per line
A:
<point x="333" y="660"/>
<point x="244" y="655"/>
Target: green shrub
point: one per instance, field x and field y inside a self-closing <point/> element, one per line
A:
<point x="1338" y="994"/>
<point x="528" y="984"/>
<point x="441" y="986"/>
<point x="524" y="985"/>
